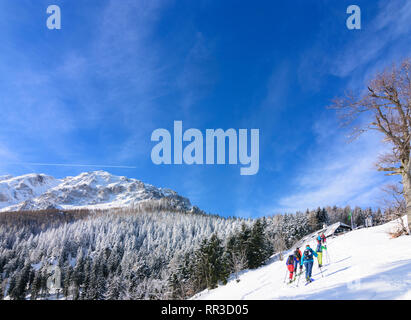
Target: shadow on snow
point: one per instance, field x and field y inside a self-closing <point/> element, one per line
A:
<point x="386" y="285"/>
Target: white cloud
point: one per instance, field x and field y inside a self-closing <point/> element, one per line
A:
<point x="338" y="173"/>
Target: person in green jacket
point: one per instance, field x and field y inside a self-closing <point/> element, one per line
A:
<point x="319" y="251"/>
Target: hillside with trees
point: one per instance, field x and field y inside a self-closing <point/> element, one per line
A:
<point x="129" y="254"/>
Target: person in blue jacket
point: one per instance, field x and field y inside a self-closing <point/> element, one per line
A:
<point x="307" y="261"/>
<point x="319" y="239"/>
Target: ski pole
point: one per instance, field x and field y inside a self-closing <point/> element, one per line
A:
<point x="286" y="271"/>
<point x="325" y="255"/>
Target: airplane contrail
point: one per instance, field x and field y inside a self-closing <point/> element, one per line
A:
<point x="71" y="165"/>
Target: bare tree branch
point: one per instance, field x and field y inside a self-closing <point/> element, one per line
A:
<point x="387" y="102"/>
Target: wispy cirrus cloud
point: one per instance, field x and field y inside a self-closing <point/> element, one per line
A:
<point x="337" y="172"/>
<point x="35" y="164"/>
<point x="196" y="77"/>
<point x="104" y="84"/>
<point x="390" y="30"/>
<point x="356" y="55"/>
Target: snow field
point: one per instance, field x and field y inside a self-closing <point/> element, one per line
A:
<point x="365" y="264"/>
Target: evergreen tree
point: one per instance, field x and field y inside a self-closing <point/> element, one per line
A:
<point x="12" y="286"/>
<point x="67" y="281"/>
<point x="259" y="249"/>
<point x="44" y="290"/>
<point x="323" y="218"/>
<point x="115" y="289"/>
<point x="36" y="286"/>
<point x="19" y="290"/>
<point x="1" y="288"/>
<point x="211" y="266"/>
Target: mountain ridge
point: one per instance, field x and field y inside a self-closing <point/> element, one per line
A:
<point x="91" y="190"/>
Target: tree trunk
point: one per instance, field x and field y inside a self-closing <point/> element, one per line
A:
<point x="406" y="183"/>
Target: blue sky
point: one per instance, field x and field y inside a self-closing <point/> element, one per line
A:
<point x="93" y="92"/>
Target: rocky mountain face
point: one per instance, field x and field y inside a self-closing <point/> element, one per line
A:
<point x="92" y="190"/>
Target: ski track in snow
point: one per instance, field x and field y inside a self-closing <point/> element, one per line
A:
<point x="364" y="264"/>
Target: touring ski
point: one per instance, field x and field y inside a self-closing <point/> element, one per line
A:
<point x="311" y="280"/>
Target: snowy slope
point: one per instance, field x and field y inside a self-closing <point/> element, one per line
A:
<point x="365" y="264"/>
<point x="97" y="189"/>
<point x="15" y="190"/>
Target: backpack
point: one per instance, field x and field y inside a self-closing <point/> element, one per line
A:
<point x="297" y="254"/>
<point x="308" y="254"/>
<point x="290" y="259"/>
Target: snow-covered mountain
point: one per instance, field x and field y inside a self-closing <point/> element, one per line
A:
<point x="97" y="189"/>
<point x="362" y="264"/>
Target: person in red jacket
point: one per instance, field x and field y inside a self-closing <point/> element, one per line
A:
<point x="290" y="265"/>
